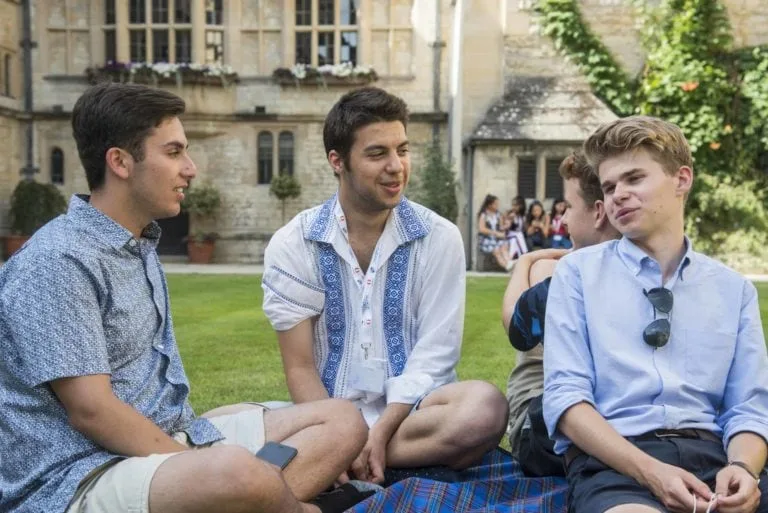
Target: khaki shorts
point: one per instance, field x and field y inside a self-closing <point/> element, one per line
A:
<point x="122" y="485"/>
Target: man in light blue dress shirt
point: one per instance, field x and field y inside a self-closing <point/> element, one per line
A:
<point x="93" y="394"/>
<point x="656" y="374"/>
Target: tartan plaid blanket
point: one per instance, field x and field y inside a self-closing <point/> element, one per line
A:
<point x="496" y="485"/>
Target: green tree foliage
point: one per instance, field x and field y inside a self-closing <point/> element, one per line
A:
<point x="33" y="204"/>
<point x="561" y="20"/>
<point x="435" y="185"/>
<point x="284" y="187"/>
<point x="694" y="78"/>
<point x="202" y="202"/>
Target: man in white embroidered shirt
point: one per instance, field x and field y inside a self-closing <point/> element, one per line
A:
<point x="366" y="293"/>
<point x="655" y="366"/>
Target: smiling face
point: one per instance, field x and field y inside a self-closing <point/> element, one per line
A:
<point x="377" y="169"/>
<point x="641" y="199"/>
<point x="156" y="184"/>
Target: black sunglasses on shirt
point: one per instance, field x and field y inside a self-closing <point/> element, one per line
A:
<point x="656" y="334"/>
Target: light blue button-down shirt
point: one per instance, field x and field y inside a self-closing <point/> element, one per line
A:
<point x="712" y="374"/>
<point x="82" y="297"/>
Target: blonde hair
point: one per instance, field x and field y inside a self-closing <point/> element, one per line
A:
<point x="663" y="140"/>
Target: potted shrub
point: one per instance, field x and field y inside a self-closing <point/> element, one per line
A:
<point x="32" y="205"/>
<point x="202" y="202"/>
<point x="284" y="187"/>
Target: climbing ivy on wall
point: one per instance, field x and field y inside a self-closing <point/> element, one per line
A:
<point x="694" y="78"/>
<point x="561" y="20"/>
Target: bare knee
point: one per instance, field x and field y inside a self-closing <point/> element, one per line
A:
<point x="245" y="477"/>
<point x="349" y="427"/>
<point x="225" y="477"/>
<point x="481" y="415"/>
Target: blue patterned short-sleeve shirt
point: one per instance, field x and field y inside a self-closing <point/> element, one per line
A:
<point x="82" y="297"/>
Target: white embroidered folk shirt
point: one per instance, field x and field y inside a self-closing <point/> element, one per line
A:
<point x="405" y="311"/>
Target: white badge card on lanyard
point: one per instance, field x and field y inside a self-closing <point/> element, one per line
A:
<point x="368" y="375"/>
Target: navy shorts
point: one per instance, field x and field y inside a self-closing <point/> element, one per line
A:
<point x="595" y="488"/>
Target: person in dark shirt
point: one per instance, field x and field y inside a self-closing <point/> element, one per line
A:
<point x="524" y="310"/>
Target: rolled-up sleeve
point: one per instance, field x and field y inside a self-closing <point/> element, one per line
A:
<point x="526" y="330"/>
<point x="745" y="402"/>
<point x="291" y="292"/>
<point x="52" y="317"/>
<point x="434" y="357"/>
<point x="569" y="373"/>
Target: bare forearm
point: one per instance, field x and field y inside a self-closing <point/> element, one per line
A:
<point x="586" y="428"/>
<point x="748" y="448"/>
<point x="122" y="430"/>
<point x="391" y="418"/>
<point x="304" y="385"/>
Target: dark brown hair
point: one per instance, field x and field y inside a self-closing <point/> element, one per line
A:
<point x="110" y="115"/>
<point x="576" y="167"/>
<point x="355" y="110"/>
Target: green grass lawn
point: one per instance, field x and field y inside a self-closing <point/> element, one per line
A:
<point x="230" y="351"/>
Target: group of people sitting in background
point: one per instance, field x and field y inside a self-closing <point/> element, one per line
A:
<point x="642" y="377"/>
<point x="508" y="236"/>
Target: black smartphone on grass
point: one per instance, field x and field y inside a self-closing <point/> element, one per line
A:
<point x="277" y="454"/>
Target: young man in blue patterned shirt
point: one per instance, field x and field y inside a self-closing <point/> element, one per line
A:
<point x="93" y="394"/>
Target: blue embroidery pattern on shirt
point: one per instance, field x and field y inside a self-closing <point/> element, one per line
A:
<point x="321" y="223"/>
<point x="334" y="314"/>
<point x="296" y="279"/>
<point x="410" y="224"/>
<point x="394" y="298"/>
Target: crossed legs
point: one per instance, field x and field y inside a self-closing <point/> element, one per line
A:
<point x="228" y="478"/>
<point x="454" y="426"/>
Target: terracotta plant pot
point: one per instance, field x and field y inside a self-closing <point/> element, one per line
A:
<point x="13" y="243"/>
<point x="200" y="252"/>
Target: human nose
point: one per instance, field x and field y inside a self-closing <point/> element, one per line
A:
<point x="620" y="193"/>
<point x="190" y="169"/>
<point x="395" y="163"/>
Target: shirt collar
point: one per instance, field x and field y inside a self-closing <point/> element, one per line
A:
<point x="406" y="224"/>
<point x="634" y="257"/>
<point x="103" y="227"/>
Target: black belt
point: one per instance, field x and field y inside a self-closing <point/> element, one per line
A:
<point x="660" y="434"/>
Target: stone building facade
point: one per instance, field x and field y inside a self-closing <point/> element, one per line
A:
<point x="474" y="73"/>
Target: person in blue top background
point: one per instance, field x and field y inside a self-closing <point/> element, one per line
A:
<point x="655" y="365"/>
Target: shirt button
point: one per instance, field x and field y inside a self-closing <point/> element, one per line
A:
<point x="160" y="347"/>
<point x="132" y="243"/>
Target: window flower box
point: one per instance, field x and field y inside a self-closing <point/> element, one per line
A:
<point x="344" y="74"/>
<point x="163" y="73"/>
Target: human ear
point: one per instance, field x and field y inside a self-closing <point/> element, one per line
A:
<point x="119" y="162"/>
<point x="600" y="214"/>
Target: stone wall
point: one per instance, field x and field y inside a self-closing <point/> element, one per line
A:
<point x="10" y="164"/>
<point x="249" y="215"/>
<point x="616" y="23"/>
<point x="397" y="37"/>
<point x="10" y="129"/>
